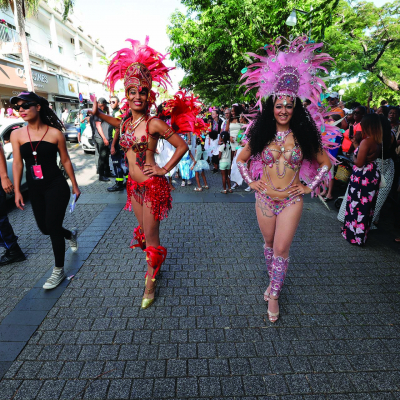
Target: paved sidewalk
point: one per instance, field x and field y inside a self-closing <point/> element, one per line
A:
<point x="208" y="335"/>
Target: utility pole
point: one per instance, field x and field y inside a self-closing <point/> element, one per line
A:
<point x="20" y="25"/>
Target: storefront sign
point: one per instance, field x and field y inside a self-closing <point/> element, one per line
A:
<point x="67" y="87"/>
<point x="12" y="75"/>
<point x="84" y="90"/>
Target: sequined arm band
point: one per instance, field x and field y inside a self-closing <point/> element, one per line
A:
<point x="244" y="171"/>
<point x="322" y="172"/>
<point x="168" y="133"/>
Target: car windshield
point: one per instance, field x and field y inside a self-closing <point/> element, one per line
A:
<point x="72" y="117"/>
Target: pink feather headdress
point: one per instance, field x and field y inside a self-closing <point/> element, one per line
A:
<point x="139" y="67"/>
<point x="287" y="70"/>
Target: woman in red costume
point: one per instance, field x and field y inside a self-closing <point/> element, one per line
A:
<point x="149" y="193"/>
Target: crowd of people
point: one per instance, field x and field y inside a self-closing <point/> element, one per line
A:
<point x="283" y="147"/>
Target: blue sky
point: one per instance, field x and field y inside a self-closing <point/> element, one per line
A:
<point x="112" y="21"/>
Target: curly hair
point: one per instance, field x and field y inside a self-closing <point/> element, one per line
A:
<point x="263" y="130"/>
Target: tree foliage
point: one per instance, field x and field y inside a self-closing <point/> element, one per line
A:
<point x="210" y="42"/>
<point x="365" y="41"/>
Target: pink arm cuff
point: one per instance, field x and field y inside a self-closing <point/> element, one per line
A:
<point x="244" y="171"/>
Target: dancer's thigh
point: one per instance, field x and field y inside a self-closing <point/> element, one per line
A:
<point x="286" y="225"/>
<point x="266" y="221"/>
<point x="138" y="210"/>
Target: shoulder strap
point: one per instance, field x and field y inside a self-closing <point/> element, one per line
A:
<point x="147" y="124"/>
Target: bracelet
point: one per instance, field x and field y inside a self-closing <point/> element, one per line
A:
<point x="244" y="171"/>
<point x="322" y="172"/>
<point x="165" y="169"/>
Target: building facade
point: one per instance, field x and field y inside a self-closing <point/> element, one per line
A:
<point x="64" y="58"/>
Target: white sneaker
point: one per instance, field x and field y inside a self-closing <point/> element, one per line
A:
<point x="73" y="242"/>
<point x="234" y="186"/>
<point x="55" y="279"/>
<point x="189" y="183"/>
<point x="247" y="189"/>
<point x="183" y="183"/>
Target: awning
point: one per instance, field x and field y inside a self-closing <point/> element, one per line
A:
<point x="66" y="99"/>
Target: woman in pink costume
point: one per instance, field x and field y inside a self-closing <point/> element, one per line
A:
<point x="285" y="147"/>
<point x="149" y="194"/>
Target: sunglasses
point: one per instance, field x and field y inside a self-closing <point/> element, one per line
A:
<point x="25" y="106"/>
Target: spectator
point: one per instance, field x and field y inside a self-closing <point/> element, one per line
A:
<point x="306" y="103"/>
<point x="101" y="142"/>
<point x="383" y="110"/>
<point x="200" y="164"/>
<point x="333" y="101"/>
<point x="64" y="116"/>
<point x="8" y="240"/>
<point x="117" y="155"/>
<point x="225" y="158"/>
<point x="358" y="114"/>
<point x="364" y="182"/>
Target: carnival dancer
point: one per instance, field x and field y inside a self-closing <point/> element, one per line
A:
<point x="285" y="145"/>
<point x="149" y="194"/>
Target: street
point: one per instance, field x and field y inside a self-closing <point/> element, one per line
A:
<point x="207" y="336"/>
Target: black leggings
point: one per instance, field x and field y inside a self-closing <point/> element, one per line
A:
<point x="49" y="204"/>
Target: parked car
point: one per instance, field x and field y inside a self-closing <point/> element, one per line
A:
<point x="73" y="124"/>
<point x="6" y="127"/>
<point x="87" y="140"/>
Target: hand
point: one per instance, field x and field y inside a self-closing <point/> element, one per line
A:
<point x="106" y="142"/>
<point x="260" y="186"/>
<point x="153" y="170"/>
<point x="7" y="185"/>
<point x="75" y="190"/>
<point x="298" y="189"/>
<point x="19" y="201"/>
<point x="112" y="150"/>
<point x="94" y="107"/>
<point x="191" y="168"/>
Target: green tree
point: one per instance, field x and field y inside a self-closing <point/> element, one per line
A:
<point x="210" y="42"/>
<point x="365" y="41"/>
<point x="19" y="8"/>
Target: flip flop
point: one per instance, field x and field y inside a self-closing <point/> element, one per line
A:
<point x="326" y="199"/>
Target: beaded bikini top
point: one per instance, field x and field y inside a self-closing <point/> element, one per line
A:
<point x="293" y="158"/>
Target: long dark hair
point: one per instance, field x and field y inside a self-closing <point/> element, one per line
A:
<point x="263" y="130"/>
<point x="48" y="116"/>
<point x="225" y="137"/>
<point x="371" y="126"/>
<point x="238" y="110"/>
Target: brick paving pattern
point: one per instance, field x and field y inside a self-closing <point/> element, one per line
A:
<point x="208" y="335"/>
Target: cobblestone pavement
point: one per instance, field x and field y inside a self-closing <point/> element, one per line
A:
<point x="208" y="335"/>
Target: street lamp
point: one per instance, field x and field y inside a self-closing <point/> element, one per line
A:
<point x="292" y="18"/>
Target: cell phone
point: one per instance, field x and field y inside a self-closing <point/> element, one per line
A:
<point x="351" y="132"/>
<point x="73" y="203"/>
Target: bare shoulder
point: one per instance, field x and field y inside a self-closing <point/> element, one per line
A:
<point x="16" y="134"/>
<point x="156" y="125"/>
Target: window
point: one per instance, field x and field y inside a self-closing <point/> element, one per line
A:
<point x="72" y="41"/>
<point x="50" y="44"/>
<point x="60" y="49"/>
<point x="90" y="65"/>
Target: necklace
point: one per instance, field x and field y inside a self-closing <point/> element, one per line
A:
<point x="134" y="124"/>
<point x="281" y="137"/>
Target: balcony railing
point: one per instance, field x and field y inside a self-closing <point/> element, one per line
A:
<point x="8" y="34"/>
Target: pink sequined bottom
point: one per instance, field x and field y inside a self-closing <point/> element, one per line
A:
<point x="276" y="205"/>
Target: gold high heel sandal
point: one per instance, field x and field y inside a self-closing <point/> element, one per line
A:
<point x="146" y="303"/>
<point x="273" y="317"/>
<point x="267" y="294"/>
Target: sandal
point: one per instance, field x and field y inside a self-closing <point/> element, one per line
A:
<point x="230" y="191"/>
<point x="224" y="191"/>
<point x="206" y="187"/>
<point x="267" y="294"/>
<point x="326" y="199"/>
<point x="273" y="317"/>
<point x="197" y="189"/>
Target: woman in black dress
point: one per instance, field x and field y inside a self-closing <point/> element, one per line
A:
<point x="38" y="144"/>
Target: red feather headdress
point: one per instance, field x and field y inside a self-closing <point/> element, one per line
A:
<point x="139" y="67"/>
<point x="183" y="109"/>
